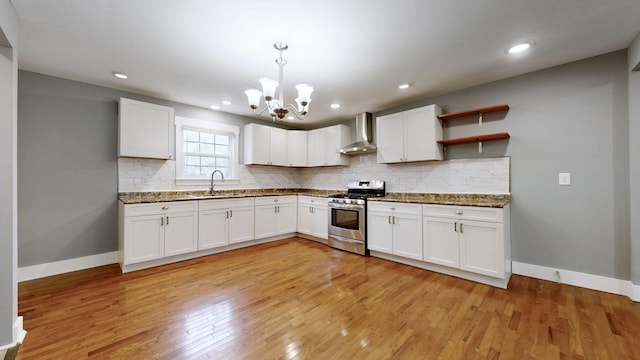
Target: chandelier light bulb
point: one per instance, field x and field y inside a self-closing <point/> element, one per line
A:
<point x="253" y="96"/>
<point x="268" y="88"/>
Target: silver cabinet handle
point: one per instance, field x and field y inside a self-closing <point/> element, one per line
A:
<point x="455" y="226"/>
<point x="167" y="220"/>
<point x="230" y="213"/>
<point x="275" y="200"/>
<point x="389" y="219"/>
<point x="162" y="221"/>
<point x="226" y="214"/>
<point x="310" y="211"/>
<point x="393" y="220"/>
<point x="461" y="231"/>
<point x="459" y="212"/>
<point x="165" y="208"/>
<point x="393" y="208"/>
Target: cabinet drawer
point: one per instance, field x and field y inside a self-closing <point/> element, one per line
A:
<point x="312" y="200"/>
<point x="393" y="207"/>
<point x="159" y="208"/>
<point x="276" y="200"/>
<point x="464" y="212"/>
<point x="225" y="203"/>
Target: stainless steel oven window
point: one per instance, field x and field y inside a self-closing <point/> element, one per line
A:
<point x="345" y="219"/>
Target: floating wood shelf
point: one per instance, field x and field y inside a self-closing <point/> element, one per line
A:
<point x="478" y="111"/>
<point x="475" y="138"/>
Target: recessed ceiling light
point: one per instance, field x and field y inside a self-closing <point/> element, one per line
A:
<point x="335" y="106"/>
<point x="519" y="48"/>
<point x="120" y="75"/>
<point x="215" y="107"/>
<point x="226" y="102"/>
<point x="403" y="86"/>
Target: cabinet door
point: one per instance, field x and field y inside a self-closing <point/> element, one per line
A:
<point x="482" y="248"/>
<point x="265" y="221"/>
<point x="390" y="138"/>
<point x="287" y="218"/>
<point x="143" y="238"/>
<point x="144" y="130"/>
<point x="306" y="218"/>
<point x="336" y="137"/>
<point x="380" y="232"/>
<point x="180" y="233"/>
<point x="440" y="241"/>
<point x="407" y="236"/>
<point x="256" y="144"/>
<point x="241" y="224"/>
<point x="316" y="147"/>
<point x="213" y="228"/>
<point x="277" y="147"/>
<point x="420" y="139"/>
<point x="321" y="222"/>
<point x="297" y="148"/>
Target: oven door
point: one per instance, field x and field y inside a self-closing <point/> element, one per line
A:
<point x="347" y="221"/>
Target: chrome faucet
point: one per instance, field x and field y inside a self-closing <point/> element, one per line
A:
<point x="221" y="176"/>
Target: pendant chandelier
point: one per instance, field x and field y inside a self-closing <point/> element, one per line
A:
<point x="277" y="109"/>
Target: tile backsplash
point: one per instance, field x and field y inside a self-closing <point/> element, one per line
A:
<point x="479" y="176"/>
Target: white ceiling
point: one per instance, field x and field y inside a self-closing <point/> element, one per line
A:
<point x="354" y="52"/>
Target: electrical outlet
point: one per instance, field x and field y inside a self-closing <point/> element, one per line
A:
<point x="564" y="179"/>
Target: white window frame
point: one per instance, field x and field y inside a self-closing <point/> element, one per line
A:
<point x="203" y="125"/>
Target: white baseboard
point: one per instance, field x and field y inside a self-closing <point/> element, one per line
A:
<point x="64" y="266"/>
<point x="18" y="334"/>
<point x="588" y="281"/>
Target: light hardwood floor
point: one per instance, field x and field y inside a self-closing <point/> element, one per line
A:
<point x="298" y="299"/>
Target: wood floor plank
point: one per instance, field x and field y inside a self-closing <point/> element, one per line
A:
<point x="298" y="299"/>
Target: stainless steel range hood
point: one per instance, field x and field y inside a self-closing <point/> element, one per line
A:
<point x="364" y="132"/>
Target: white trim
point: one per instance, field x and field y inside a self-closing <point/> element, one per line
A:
<point x="64" y="266"/>
<point x="18" y="334"/>
<point x="588" y="281"/>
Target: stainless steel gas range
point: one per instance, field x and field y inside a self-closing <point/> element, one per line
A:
<point x="348" y="215"/>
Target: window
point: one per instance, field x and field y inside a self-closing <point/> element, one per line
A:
<point x="203" y="147"/>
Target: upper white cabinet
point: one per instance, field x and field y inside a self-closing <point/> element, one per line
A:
<point x="411" y="135"/>
<point x="297" y="148"/>
<point x="473" y="239"/>
<point x="265" y="145"/>
<point x="144" y="130"/>
<point x="323" y="145"/>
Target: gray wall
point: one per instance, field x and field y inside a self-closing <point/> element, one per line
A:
<point x="571" y="118"/>
<point x="67" y="166"/>
<point x="634" y="156"/>
<point x="8" y="201"/>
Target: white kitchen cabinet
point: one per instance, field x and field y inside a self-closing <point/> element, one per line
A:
<point x="297" y="148"/>
<point x="313" y="216"/>
<point x="468" y="238"/>
<point x="144" y="130"/>
<point x="409" y="135"/>
<point x="275" y="215"/>
<point x="395" y="228"/>
<point x="154" y="231"/>
<point x="265" y="145"/>
<point x="324" y="143"/>
<point x="224" y="222"/>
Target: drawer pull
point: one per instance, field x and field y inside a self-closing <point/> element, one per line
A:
<point x="162" y="221"/>
<point x="459" y="212"/>
<point x="461" y="232"/>
<point x="455" y="226"/>
<point x="165" y="208"/>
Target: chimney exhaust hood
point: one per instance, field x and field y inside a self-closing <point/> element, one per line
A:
<point x="363" y="144"/>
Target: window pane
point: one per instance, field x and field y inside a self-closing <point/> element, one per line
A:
<point x="190" y="135"/>
<point x="192" y="171"/>
<point x="208" y="161"/>
<point x="206" y="170"/>
<point x="222" y="150"/>
<point x="222" y="162"/>
<point x="192" y="147"/>
<point x="192" y="160"/>
<point x="207" y="138"/>
<point x="207" y="149"/>
<point x="222" y="139"/>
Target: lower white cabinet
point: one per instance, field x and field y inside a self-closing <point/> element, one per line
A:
<point x="395" y="228"/>
<point x="468" y="238"/>
<point x="313" y="216"/>
<point x="224" y="222"/>
<point x="157" y="230"/>
<point x="275" y="215"/>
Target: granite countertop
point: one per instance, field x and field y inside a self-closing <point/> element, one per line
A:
<point x="483" y="200"/>
<point x="165" y="196"/>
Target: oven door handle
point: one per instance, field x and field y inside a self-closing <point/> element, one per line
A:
<point x="347" y="207"/>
